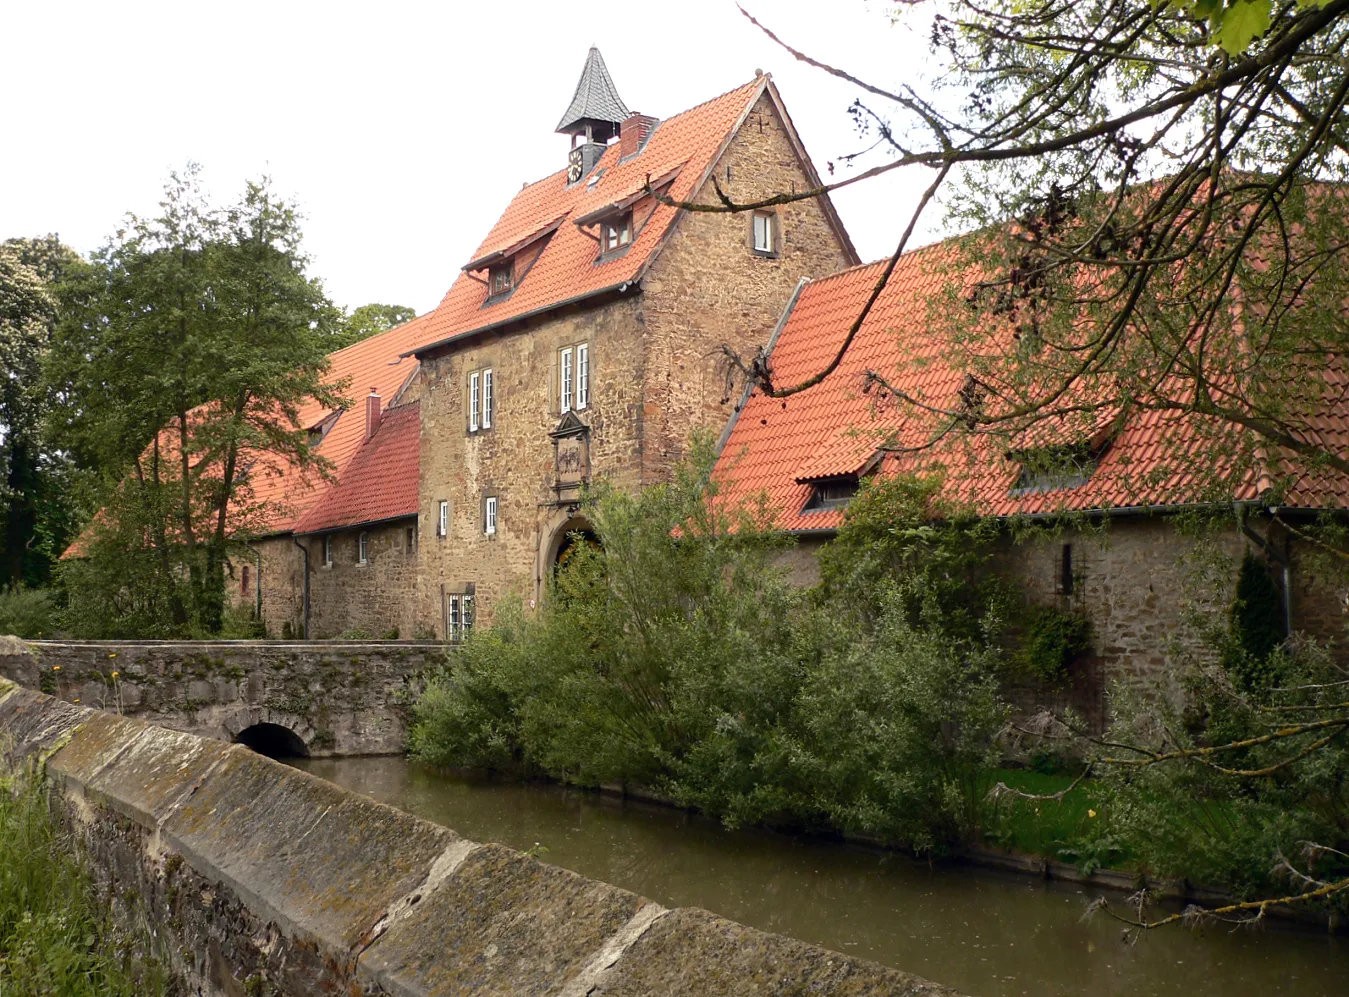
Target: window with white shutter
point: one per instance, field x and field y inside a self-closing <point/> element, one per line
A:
<point x="474" y="386"/>
<point x="564" y="374"/>
<point x="582" y="376"/>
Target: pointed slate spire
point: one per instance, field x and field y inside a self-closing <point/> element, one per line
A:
<point x="596" y="106"/>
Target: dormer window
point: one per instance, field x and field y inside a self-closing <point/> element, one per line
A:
<point x="1049" y="468"/>
<point x="501" y="279"/>
<point x="616" y="233"/>
<point x="831" y="493"/>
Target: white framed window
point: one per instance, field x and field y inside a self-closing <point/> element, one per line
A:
<point x="443" y="524"/>
<point x="327" y="550"/>
<point x="474" y="386"/>
<point x="617" y="233"/>
<point x="487" y="398"/>
<point x="489" y="515"/>
<point x="363" y="548"/>
<point x="564" y="379"/>
<point x="459" y="615"/>
<point x="582" y="375"/>
<point x="765" y="239"/>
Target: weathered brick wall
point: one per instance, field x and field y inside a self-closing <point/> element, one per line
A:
<point x="654" y="379"/>
<point x="338" y="698"/>
<point x="255" y="878"/>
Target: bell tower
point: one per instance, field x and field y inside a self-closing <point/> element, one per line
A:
<point x="593" y="118"/>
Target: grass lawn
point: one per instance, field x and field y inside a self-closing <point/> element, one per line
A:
<point x="1074" y="829"/>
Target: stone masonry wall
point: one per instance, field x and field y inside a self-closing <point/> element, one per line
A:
<point x="708" y="287"/>
<point x="1132" y="581"/>
<point x="339" y="699"/>
<point x="513" y="460"/>
<point x="256" y="878"/>
<point x="379" y="596"/>
<point x="654" y="381"/>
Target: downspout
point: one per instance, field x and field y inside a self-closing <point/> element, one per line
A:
<point x="257" y="558"/>
<point x="305" y="551"/>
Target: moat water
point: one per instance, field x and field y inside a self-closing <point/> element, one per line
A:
<point x="984" y="933"/>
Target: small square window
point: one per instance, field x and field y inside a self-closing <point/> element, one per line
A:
<point x="443" y="525"/>
<point x="500" y="279"/>
<point x="616" y="234"/>
<point x="489" y="515"/>
<point x="765" y="234"/>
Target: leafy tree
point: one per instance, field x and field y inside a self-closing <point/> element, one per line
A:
<point x="676" y="655"/>
<point x="368" y="320"/>
<point x="1157" y="196"/>
<point x="186" y="347"/>
<point x="36" y="510"/>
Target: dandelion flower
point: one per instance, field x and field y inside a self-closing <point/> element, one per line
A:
<point x="1090" y="813"/>
<point x="56" y="668"/>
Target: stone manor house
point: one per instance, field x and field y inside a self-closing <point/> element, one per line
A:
<point x="581" y="341"/>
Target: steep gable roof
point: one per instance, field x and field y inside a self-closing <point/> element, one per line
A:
<point x="379" y="483"/>
<point x="778" y="447"/>
<point x="376" y="362"/>
<point x="684" y="148"/>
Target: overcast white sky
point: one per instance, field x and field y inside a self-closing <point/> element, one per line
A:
<point x="401" y="129"/>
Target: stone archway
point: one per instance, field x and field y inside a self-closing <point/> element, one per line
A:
<point x="563" y="530"/>
<point x="272" y="740"/>
<point x="270" y="732"/>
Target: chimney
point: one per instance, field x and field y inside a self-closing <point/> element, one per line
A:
<point x="633" y="133"/>
<point x="371" y="413"/>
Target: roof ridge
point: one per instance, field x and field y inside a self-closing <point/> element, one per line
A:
<point x="880" y="261"/>
<point x="391" y="329"/>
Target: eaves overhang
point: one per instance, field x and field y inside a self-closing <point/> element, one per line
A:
<point x="625" y="287"/>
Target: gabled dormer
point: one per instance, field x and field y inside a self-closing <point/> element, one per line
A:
<point x="502" y="270"/>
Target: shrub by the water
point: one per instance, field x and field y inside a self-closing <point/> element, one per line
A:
<point x="56" y="938"/>
<point x="677" y="656"/>
<point x="28" y="613"/>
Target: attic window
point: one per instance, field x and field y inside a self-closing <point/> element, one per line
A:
<point x="831" y="493"/>
<point x="501" y="278"/>
<point x="616" y="233"/>
<point x="765" y="233"/>
<point x="1049" y="468"/>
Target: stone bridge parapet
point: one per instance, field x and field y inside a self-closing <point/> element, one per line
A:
<point x="256" y="878"/>
<point x="334" y="697"/>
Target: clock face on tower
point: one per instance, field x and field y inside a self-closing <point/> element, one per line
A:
<point x="574" y="166"/>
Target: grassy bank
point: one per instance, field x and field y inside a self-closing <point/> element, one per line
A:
<point x="56" y="938"/>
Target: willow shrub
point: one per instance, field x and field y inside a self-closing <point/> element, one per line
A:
<point x="676" y="656"/>
<point x="56" y="939"/>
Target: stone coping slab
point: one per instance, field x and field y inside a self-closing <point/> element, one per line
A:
<point x="361" y="898"/>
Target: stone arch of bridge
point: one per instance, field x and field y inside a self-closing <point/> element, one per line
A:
<point x="257" y="727"/>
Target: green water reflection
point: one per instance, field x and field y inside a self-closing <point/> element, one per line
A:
<point x="981" y="932"/>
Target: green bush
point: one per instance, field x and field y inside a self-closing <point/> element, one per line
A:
<point x="56" y="938"/>
<point x="677" y="656"/>
<point x="1053" y="640"/>
<point x="28" y="613"/>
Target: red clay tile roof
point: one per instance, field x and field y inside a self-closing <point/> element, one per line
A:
<point x="832" y="429"/>
<point x="380" y="481"/>
<point x="376" y="362"/>
<point x="687" y="144"/>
